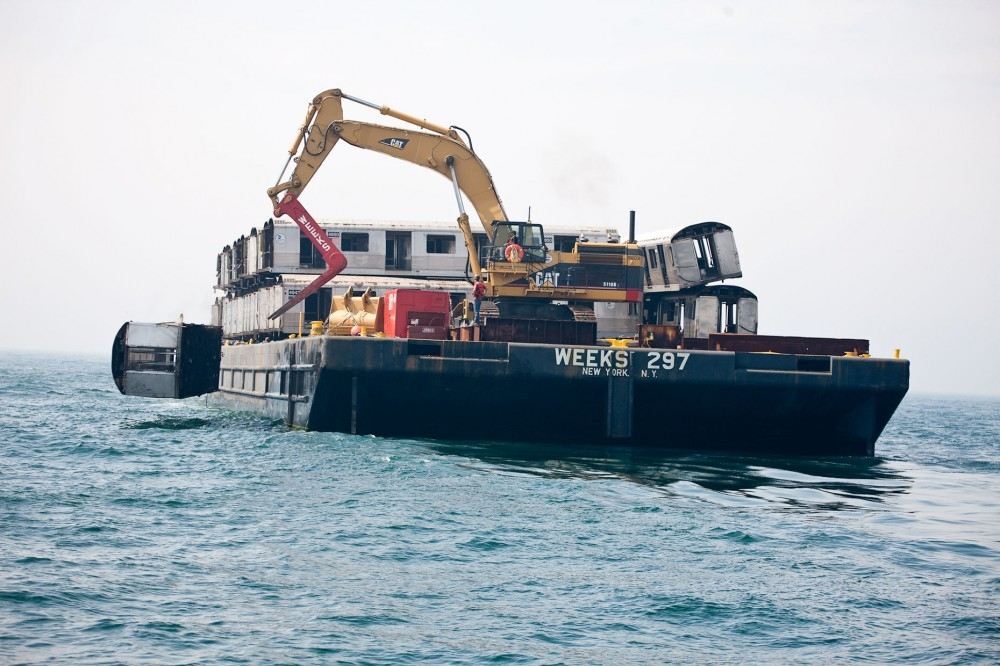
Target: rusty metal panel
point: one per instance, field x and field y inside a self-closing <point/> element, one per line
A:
<point x="660" y="335"/>
<point x="784" y="344"/>
<point x="539" y="331"/>
<point x="665" y="336"/>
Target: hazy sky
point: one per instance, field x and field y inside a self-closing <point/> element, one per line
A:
<point x="853" y="147"/>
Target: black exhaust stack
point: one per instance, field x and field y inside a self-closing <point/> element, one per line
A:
<point x="631" y="226"/>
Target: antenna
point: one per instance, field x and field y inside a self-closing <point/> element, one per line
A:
<point x="529" y="213"/>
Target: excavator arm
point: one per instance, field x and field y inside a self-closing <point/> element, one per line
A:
<point x="324" y="125"/>
<point x="449" y="157"/>
<point x="440" y="149"/>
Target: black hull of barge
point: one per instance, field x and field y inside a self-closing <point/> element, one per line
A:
<point x="741" y="401"/>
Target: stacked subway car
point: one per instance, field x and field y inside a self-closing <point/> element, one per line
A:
<point x="683" y="296"/>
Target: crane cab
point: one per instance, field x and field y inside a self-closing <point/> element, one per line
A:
<point x="530" y="236"/>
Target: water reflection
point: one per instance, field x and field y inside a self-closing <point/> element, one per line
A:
<point x="833" y="482"/>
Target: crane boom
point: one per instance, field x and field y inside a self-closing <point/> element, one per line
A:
<point x="324" y="125"/>
<point x="441" y="150"/>
<point x="592" y="272"/>
<point x="432" y="151"/>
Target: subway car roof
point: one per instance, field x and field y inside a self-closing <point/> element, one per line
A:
<point x="442" y="225"/>
<point x="690" y="231"/>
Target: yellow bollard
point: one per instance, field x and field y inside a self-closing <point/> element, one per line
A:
<point x="619" y="343"/>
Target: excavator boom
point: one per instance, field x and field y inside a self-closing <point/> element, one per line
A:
<point x="441" y="149"/>
<point x="590" y="273"/>
<point x="434" y="152"/>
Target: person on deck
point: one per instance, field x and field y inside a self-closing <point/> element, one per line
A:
<point x="477" y="296"/>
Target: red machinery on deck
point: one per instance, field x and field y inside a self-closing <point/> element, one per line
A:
<point x="414" y="313"/>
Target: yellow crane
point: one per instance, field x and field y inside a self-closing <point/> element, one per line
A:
<point x="591" y="272"/>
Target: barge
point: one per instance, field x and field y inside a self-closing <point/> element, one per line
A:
<point x="582" y="338"/>
<point x="695" y="375"/>
<point x="665" y="398"/>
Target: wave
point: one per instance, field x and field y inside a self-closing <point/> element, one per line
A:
<point x="167" y="423"/>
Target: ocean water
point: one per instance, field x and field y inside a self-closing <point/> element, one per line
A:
<point x="166" y="532"/>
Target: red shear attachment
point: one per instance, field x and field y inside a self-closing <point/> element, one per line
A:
<point x="334" y="258"/>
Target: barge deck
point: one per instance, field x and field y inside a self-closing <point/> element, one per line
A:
<point x="788" y="403"/>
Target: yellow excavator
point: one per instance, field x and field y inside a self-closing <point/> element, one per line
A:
<point x="519" y="267"/>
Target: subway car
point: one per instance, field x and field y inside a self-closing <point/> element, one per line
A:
<point x="696" y="255"/>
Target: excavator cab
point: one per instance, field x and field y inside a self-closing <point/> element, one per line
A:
<point x="530" y="237"/>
